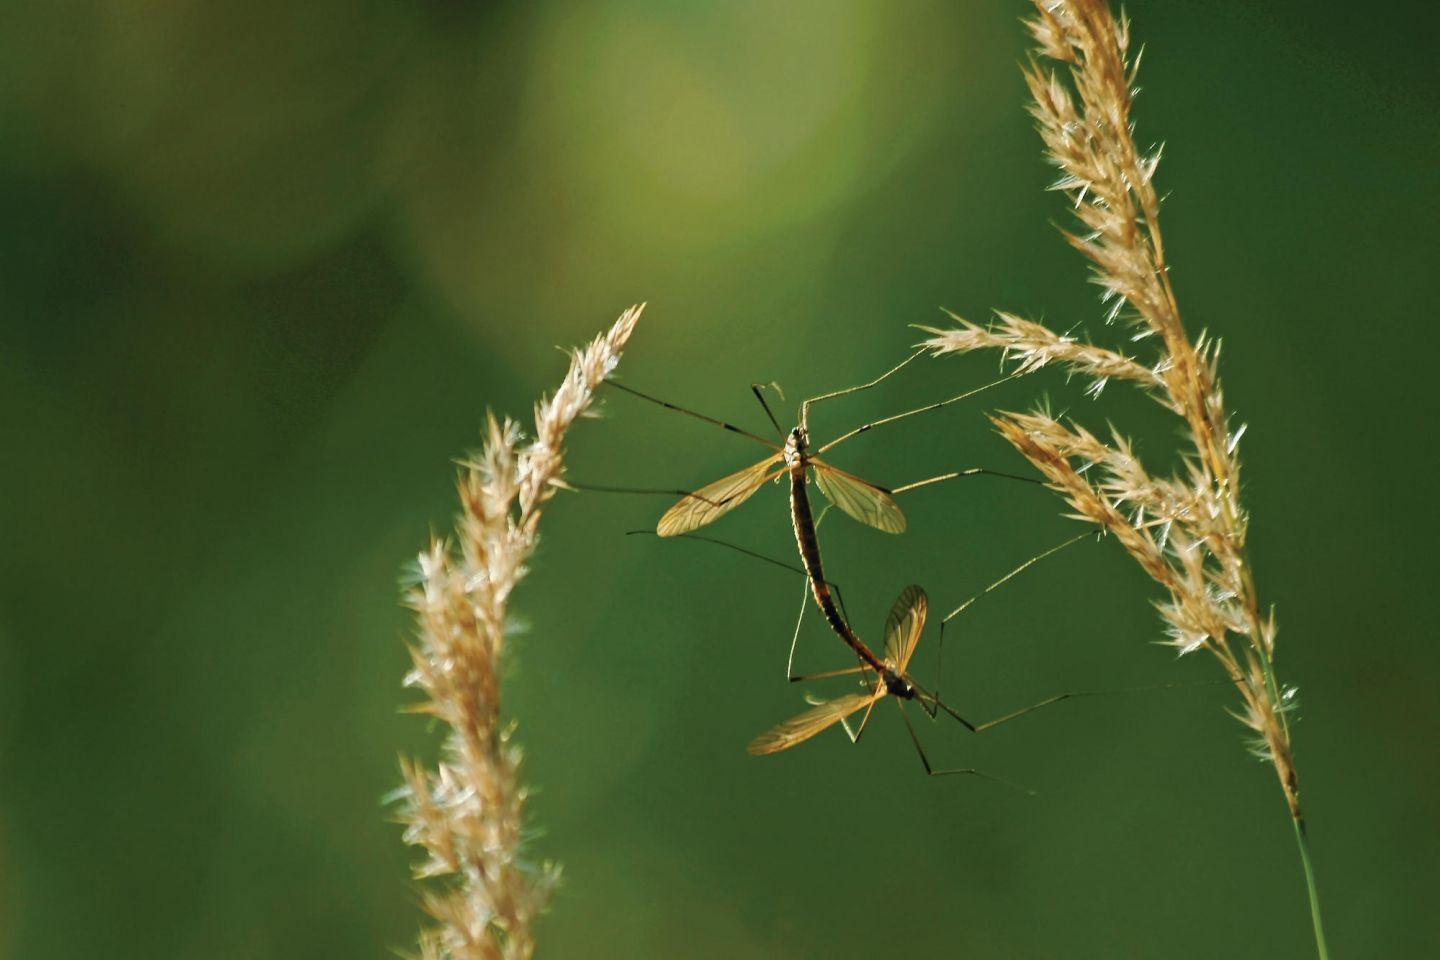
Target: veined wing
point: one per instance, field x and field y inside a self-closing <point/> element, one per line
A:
<point x="903" y="626"/>
<point x="709" y="502"/>
<point x="800" y="728"/>
<point x="863" y="501"/>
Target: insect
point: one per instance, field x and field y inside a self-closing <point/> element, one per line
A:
<point x="870" y="504"/>
<point x="902" y="633"/>
<point x="891" y="676"/>
<point x="901" y="636"/>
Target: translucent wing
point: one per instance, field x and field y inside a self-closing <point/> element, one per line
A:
<point x="863" y="501"/>
<point x="903" y="626"/>
<point x="709" y="502"/>
<point x="800" y="728"/>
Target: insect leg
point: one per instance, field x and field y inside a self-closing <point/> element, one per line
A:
<point x="790" y="673"/>
<point x="968" y="472"/>
<point x="932" y="772"/>
<point x="805" y="407"/>
<point x="864" y="427"/>
<point x="855" y="734"/>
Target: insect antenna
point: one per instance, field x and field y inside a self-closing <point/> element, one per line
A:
<point x="690" y="413"/>
<point x="755" y="388"/>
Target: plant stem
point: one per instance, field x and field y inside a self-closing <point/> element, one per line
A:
<point x="1303" y="842"/>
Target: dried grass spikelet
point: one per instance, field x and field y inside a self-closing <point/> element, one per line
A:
<point x="1188" y="532"/>
<point x="468" y="812"/>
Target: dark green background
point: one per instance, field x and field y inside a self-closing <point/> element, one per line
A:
<point x="263" y="266"/>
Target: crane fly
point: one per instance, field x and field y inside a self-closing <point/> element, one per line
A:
<point x="902" y="633"/>
<point x="869" y="503"/>
<point x="901" y="636"/>
<point x="903" y="628"/>
<point x="866" y="502"/>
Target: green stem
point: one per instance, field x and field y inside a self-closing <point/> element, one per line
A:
<point x="1303" y="842"/>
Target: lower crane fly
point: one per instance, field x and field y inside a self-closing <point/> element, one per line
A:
<point x="901" y="636"/>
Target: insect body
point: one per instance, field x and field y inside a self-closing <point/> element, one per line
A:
<point x="901" y="636"/>
<point x="854" y="494"/>
<point x="866" y="502"/>
<point x="902" y="633"/>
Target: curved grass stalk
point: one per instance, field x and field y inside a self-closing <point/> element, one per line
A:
<point x="468" y="812"/>
<point x="1188" y="532"/>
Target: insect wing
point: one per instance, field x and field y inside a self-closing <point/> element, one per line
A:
<point x="903" y="626"/>
<point x="802" y="727"/>
<point x="713" y="500"/>
<point x="863" y="501"/>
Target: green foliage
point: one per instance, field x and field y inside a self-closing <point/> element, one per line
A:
<point x="263" y="267"/>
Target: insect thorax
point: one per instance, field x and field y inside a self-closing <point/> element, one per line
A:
<point x="897" y="686"/>
<point x="795" y="446"/>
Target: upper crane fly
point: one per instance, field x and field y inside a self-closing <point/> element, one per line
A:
<point x="867" y="502"/>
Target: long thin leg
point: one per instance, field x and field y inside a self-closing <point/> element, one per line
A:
<point x="932" y="705"/>
<point x="864" y="427"/>
<point x="835" y="587"/>
<point x="932" y="772"/>
<point x="855" y="734"/>
<point x="724" y="543"/>
<point x="1030" y="709"/>
<point x="804" y="597"/>
<point x="980" y="728"/>
<point x="805" y="407"/>
<point x="842" y="672"/>
<point x="970" y="472"/>
<point x="839" y="596"/>
<point x="790" y="673"/>
<point x="699" y="416"/>
<point x="601" y="488"/>
<point x="940" y="646"/>
<point x="1017" y="571"/>
<point x="795" y="639"/>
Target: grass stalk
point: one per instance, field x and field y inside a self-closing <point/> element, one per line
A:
<point x="1188" y="531"/>
<point x="468" y="812"/>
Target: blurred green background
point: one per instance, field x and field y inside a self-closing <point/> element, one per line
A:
<point x="266" y="264"/>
